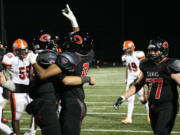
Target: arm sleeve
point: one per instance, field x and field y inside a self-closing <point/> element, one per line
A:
<point x="8" y="59"/>
<point x="140" y="55"/>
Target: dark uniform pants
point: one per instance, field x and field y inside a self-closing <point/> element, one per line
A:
<point x="45" y="114"/>
<point x="72" y="113"/>
<point x="163" y="117"/>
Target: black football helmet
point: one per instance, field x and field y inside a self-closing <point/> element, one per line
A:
<point x="2" y="49"/>
<point x="158" y="44"/>
<point x="80" y="42"/>
<point x="45" y="41"/>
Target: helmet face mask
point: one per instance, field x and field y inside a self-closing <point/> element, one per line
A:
<point x="157" y="50"/>
<point x="20" y="48"/>
<point x="2" y="49"/>
<point x="128" y="51"/>
<point x="22" y="53"/>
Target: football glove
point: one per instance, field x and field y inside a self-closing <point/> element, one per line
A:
<point x="32" y="58"/>
<point x="69" y="14"/>
<point x="118" y="102"/>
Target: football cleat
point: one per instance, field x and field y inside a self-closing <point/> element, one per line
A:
<point x="30" y="132"/>
<point x="4" y="120"/>
<point x="148" y="119"/>
<point x="126" y="121"/>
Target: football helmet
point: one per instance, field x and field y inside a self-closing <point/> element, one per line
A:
<point x="2" y="49"/>
<point x="157" y="44"/>
<point x="20" y="48"/>
<point x="80" y="42"/>
<point x="45" y="41"/>
<point x="128" y="47"/>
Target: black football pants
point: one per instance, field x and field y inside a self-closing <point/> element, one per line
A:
<point x="72" y="113"/>
<point x="163" y="117"/>
<point x="46" y="117"/>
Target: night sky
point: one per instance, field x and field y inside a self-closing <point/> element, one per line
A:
<point x="110" y="22"/>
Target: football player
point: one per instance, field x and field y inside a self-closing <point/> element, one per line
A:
<point x="5" y="91"/>
<point x="17" y="65"/>
<point x="162" y="75"/>
<point x="73" y="62"/>
<point x="131" y="59"/>
<point x="5" y="83"/>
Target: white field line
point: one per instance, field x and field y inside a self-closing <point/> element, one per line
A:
<point x="129" y="131"/>
<point x="118" y="89"/>
<point x="111" y="130"/>
<point x="94" y="113"/>
<point x="101" y="95"/>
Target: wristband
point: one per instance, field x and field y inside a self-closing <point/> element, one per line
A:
<point x="86" y="79"/>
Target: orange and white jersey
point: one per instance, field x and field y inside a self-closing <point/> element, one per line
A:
<point x="18" y="69"/>
<point x="132" y="62"/>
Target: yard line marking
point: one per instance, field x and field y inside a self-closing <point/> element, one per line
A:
<point x="130" y="131"/>
<point x="95" y="113"/>
<point x="101" y="95"/>
<point x="110" y="130"/>
<point x="102" y="89"/>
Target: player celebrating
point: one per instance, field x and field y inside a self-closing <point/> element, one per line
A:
<point x="131" y="59"/>
<point x="17" y="66"/>
<point x="74" y="61"/>
<point x="162" y="75"/>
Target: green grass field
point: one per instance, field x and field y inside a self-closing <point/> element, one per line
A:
<point x="101" y="118"/>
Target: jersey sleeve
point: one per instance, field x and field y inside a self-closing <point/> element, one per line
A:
<point x="8" y="59"/>
<point x="174" y="65"/>
<point x="67" y="62"/>
<point x="140" y="55"/>
<point x="123" y="58"/>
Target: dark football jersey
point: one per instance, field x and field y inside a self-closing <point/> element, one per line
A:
<point x="41" y="87"/>
<point x="161" y="88"/>
<point x="76" y="65"/>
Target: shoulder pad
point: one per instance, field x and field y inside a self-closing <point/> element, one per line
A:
<point x="72" y="58"/>
<point x="174" y="65"/>
<point x="143" y="62"/>
<point x="47" y="58"/>
<point x="140" y="54"/>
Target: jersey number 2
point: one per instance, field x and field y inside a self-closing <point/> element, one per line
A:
<point x="159" y="87"/>
<point x="85" y="69"/>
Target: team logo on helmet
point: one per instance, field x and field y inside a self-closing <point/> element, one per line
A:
<point x="78" y="39"/>
<point x="45" y="37"/>
<point x="165" y="44"/>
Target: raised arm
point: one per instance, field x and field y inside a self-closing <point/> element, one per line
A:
<point x="69" y="15"/>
